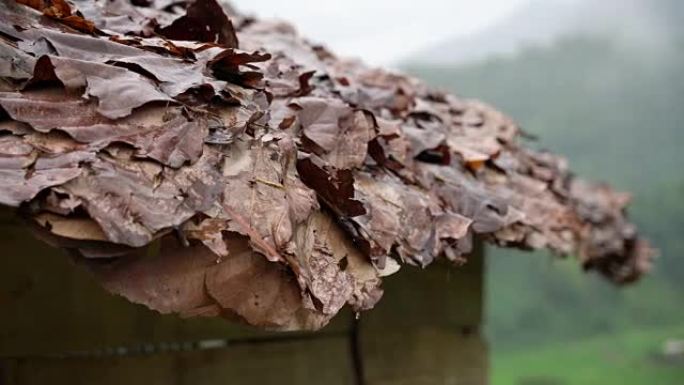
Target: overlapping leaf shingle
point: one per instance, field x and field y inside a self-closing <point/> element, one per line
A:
<point x="271" y="182"/>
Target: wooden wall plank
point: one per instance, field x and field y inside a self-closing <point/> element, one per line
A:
<point x="424" y="356"/>
<point x="314" y="361"/>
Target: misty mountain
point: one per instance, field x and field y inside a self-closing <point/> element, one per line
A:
<point x="539" y="23"/>
<point x="608" y="95"/>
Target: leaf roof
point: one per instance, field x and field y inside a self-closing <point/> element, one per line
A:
<point x="223" y="166"/>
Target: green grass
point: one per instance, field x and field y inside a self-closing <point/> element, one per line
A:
<point x="629" y="358"/>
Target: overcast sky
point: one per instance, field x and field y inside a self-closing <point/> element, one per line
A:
<point x="382" y="31"/>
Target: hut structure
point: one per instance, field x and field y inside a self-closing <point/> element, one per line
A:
<point x="166" y="166"/>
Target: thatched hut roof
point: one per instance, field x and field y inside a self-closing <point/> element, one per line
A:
<point x="206" y="163"/>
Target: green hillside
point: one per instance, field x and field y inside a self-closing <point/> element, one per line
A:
<point x="617" y="112"/>
<point x="629" y="358"/>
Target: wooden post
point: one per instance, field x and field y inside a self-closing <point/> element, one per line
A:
<point x="59" y="327"/>
<point x="426" y="330"/>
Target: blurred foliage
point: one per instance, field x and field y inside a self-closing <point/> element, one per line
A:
<point x="628" y="358"/>
<point x="617" y="112"/>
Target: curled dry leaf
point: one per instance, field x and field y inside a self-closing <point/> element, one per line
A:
<point x="84" y="229"/>
<point x="203" y="21"/>
<point x="270" y="182"/>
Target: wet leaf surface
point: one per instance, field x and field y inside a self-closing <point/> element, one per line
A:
<point x="267" y="181"/>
